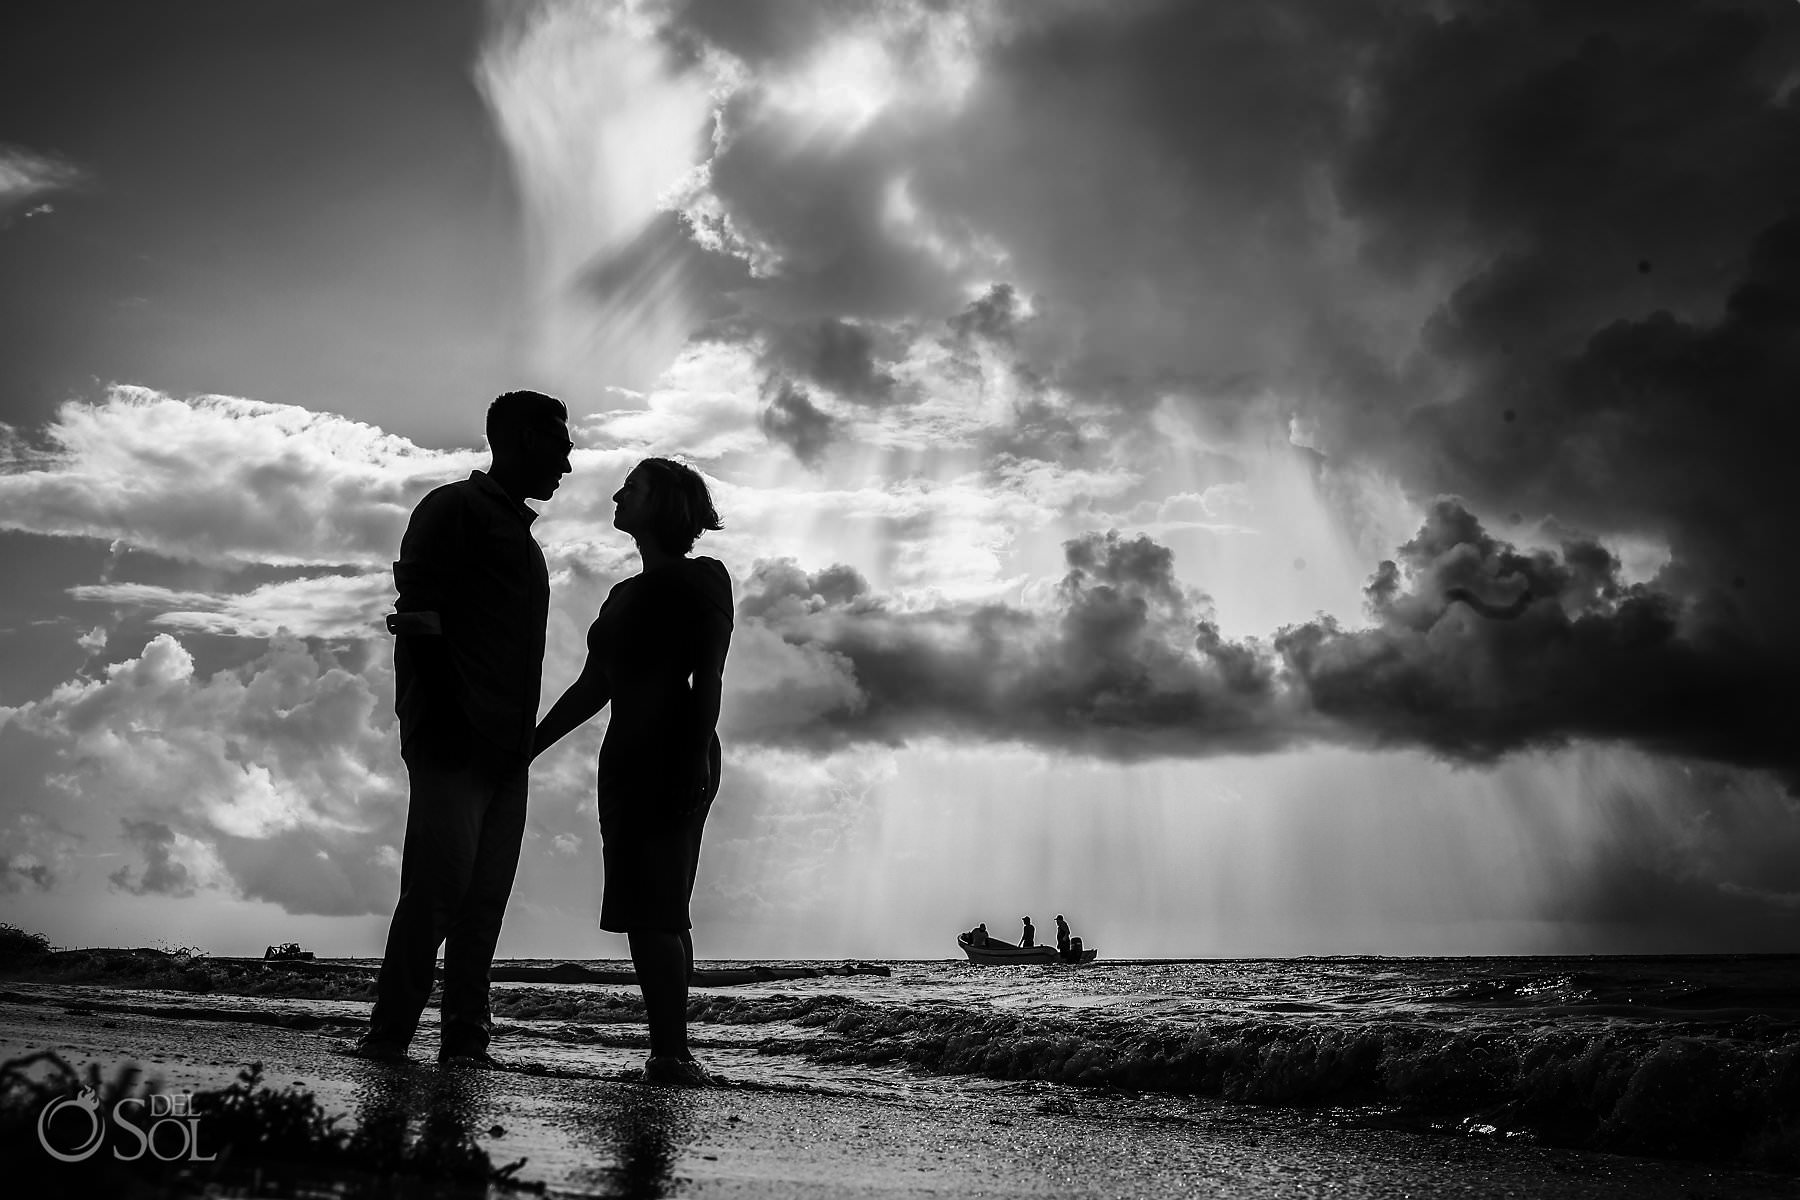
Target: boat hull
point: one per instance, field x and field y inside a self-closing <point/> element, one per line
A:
<point x="1005" y="954"/>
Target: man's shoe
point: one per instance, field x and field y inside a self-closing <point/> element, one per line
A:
<point x="477" y="1059"/>
<point x="375" y="1050"/>
<point x="677" y="1072"/>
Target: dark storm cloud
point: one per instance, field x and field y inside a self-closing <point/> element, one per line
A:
<point x="17" y="875"/>
<point x="994" y="315"/>
<point x="1157" y="175"/>
<point x="1116" y="670"/>
<point x="792" y="419"/>
<point x="1683" y="429"/>
<point x="819" y="206"/>
<point x="797" y="359"/>
<point x="1590" y="657"/>
<point x="162" y="873"/>
<point x="836" y="355"/>
<point x="1072" y="428"/>
<point x="1512" y="252"/>
<point x="1129" y="665"/>
<point x="1620" y="352"/>
<point x="1543" y="256"/>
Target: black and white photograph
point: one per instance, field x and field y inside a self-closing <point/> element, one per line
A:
<point x="899" y="598"/>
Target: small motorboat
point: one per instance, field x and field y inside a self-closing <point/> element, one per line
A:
<point x="996" y="953"/>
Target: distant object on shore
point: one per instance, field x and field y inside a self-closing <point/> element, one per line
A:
<point x="996" y="953"/>
<point x="287" y="952"/>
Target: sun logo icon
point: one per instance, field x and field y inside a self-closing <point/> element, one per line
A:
<point x="87" y="1103"/>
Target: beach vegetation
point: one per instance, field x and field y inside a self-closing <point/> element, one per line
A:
<point x="21" y="946"/>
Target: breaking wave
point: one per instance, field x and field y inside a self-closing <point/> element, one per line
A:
<point x="1705" y="1091"/>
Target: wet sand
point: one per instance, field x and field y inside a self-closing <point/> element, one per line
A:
<point x="586" y="1131"/>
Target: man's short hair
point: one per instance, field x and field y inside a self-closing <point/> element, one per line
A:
<point x="681" y="506"/>
<point x="512" y="413"/>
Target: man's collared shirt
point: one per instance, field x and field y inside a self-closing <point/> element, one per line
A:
<point x="468" y="555"/>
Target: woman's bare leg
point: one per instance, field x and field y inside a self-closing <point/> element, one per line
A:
<point x="663" y="958"/>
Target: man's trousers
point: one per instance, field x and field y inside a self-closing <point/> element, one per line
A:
<point x="464" y="824"/>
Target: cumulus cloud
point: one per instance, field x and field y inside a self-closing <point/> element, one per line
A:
<point x="279" y="780"/>
<point x="218" y="480"/>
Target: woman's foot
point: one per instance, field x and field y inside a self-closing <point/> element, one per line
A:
<point x="676" y="1072"/>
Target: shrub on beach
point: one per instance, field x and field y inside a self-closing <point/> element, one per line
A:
<point x="21" y="945"/>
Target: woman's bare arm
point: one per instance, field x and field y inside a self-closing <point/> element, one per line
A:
<point x="585" y="697"/>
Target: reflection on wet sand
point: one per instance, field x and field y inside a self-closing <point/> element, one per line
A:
<point x="631" y="1137"/>
<point x="426" y="1123"/>
<point x="641" y="1132"/>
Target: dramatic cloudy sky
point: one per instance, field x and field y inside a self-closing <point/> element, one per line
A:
<point x="1104" y="400"/>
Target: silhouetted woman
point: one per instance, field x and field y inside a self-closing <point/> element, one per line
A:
<point x="657" y="652"/>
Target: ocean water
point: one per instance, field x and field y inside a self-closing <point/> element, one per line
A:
<point x="1693" y="1058"/>
<point x="1690" y="1057"/>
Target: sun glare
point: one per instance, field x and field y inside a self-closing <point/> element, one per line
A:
<point x="847" y="84"/>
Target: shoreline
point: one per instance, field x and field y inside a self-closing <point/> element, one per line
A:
<point x="586" y="1131"/>
<point x="848" y="1033"/>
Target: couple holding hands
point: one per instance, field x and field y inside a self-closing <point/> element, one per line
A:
<point x="474" y="596"/>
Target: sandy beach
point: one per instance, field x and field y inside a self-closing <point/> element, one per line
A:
<point x="584" y="1129"/>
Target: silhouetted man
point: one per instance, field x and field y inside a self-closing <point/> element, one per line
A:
<point x="1029" y="938"/>
<point x="474" y="596"/>
<point x="1062" y="935"/>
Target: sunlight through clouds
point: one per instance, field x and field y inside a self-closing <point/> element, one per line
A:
<point x="1119" y="415"/>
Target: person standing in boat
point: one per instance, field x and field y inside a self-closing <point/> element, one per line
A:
<point x="1062" y="935"/>
<point x="656" y="652"/>
<point x="1028" y="939"/>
